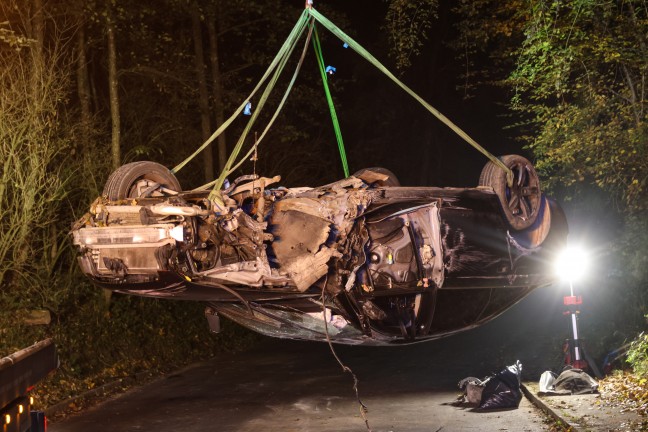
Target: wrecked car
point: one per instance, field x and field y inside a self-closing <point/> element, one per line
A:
<point x="359" y="261"/>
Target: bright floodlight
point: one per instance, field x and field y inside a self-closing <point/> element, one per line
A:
<point x="572" y="263"/>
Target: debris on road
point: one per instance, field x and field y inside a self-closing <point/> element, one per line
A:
<point x="500" y="390"/>
<point x="570" y="381"/>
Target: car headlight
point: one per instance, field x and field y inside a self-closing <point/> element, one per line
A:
<point x="132" y="235"/>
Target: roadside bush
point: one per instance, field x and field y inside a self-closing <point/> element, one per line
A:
<point x="638" y="355"/>
<point x="98" y="344"/>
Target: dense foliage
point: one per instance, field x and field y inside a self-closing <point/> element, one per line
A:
<point x="581" y="75"/>
<point x="576" y="72"/>
<point x="638" y="355"/>
<point x="407" y="24"/>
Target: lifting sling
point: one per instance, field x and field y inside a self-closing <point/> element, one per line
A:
<point x="307" y="20"/>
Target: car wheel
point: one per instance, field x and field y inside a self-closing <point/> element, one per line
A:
<point x="366" y="175"/>
<point x="521" y="201"/>
<point x="139" y="180"/>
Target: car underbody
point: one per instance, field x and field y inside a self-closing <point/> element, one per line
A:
<point x="360" y="261"/>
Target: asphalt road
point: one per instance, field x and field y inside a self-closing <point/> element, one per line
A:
<point x="298" y="386"/>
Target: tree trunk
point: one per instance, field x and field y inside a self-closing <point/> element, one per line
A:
<point x="203" y="95"/>
<point x="34" y="118"/>
<point x="115" y="148"/>
<point x="217" y="83"/>
<point x="113" y="87"/>
<point x="634" y="105"/>
<point x="83" y="89"/>
<point x="38" y="34"/>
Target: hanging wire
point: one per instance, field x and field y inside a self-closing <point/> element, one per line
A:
<point x="345" y="368"/>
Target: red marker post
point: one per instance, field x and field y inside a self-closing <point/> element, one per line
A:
<point x="571" y="265"/>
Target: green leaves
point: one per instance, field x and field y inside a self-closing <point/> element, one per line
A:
<point x="407" y="22"/>
<point x="578" y="76"/>
<point x="578" y="71"/>
<point x="638" y="355"/>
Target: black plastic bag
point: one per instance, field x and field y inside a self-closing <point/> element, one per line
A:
<point x="502" y="390"/>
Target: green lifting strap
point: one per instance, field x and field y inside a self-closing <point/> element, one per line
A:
<point x="288" y="44"/>
<point x="364" y="53"/>
<point x="336" y="124"/>
<point x="286" y="51"/>
<point x="274" y="116"/>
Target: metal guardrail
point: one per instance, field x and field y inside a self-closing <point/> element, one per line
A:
<point x="19" y="373"/>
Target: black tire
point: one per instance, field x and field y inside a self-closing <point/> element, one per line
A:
<point x="391" y="181"/>
<point x="521" y="202"/>
<point x="535" y="235"/>
<point x="127" y="179"/>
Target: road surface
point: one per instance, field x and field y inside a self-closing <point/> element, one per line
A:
<point x="298" y="386"/>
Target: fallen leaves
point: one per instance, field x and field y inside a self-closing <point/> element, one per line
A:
<point x="626" y="392"/>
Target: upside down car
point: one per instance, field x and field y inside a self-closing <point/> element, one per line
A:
<point x="359" y="261"/>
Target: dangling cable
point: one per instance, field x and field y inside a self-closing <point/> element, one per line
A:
<point x="235" y="294"/>
<point x="345" y="368"/>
